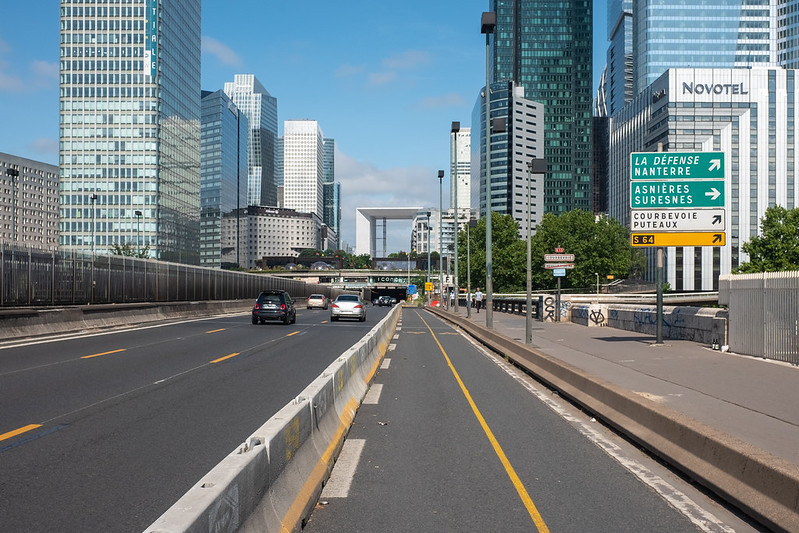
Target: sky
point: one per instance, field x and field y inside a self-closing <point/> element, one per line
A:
<point x="384" y="79"/>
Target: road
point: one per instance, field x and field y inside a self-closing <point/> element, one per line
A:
<point x="105" y="432"/>
<point x="451" y="438"/>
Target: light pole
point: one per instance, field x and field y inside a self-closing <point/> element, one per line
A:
<point x="536" y="166"/>
<point x="597" y="285"/>
<point x="427" y="226"/>
<point x="138" y="231"/>
<point x="456" y="127"/>
<point x="468" y="267"/>
<point x="487" y="24"/>
<point x="13" y="174"/>
<point x="93" y="199"/>
<point x="442" y="299"/>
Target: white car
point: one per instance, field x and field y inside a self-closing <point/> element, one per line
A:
<point x="348" y="306"/>
<point x="317" y="301"/>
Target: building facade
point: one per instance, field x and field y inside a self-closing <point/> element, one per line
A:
<point x="460" y="167"/>
<point x="223" y="155"/>
<point x="618" y="75"/>
<point x="331" y="189"/>
<point x="545" y="46"/>
<point x="751" y="116"/>
<point x="130" y="127"/>
<point x="269" y="232"/>
<point x="28" y="203"/>
<point x="514" y="190"/>
<point x="260" y="107"/>
<point x="303" y="166"/>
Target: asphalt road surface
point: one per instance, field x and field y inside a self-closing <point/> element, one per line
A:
<point x="106" y="432"/>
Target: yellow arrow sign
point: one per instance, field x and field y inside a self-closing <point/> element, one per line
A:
<point x="679" y="239"/>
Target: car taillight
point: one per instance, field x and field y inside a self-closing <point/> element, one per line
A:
<point x="256" y="305"/>
<point x="334" y="305"/>
<point x="282" y="307"/>
<point x="359" y="306"/>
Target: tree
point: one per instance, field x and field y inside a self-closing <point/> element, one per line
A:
<point x="127" y="249"/>
<point x="600" y="246"/>
<point x="776" y="249"/>
<point x="508" y="254"/>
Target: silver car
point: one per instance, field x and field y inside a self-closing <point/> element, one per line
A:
<point x="348" y="306"/>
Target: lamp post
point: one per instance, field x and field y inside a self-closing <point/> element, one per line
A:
<point x="442" y="299"/>
<point x="93" y="199"/>
<point x="13" y="174"/>
<point x="138" y="231"/>
<point x="488" y="22"/>
<point x="456" y="127"/>
<point x="468" y="267"/>
<point x="534" y="166"/>
<point x="427" y="226"/>
<point x="597" y="285"/>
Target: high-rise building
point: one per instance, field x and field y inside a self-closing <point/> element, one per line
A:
<point x="788" y="33"/>
<point x="545" y="47"/>
<point x="260" y="107"/>
<point x="130" y="127"/>
<point x="28" y="203"/>
<point x="332" y="190"/>
<point x="460" y="165"/>
<point x="618" y="76"/>
<point x="303" y="166"/>
<point x="223" y="156"/>
<point x="512" y="186"/>
<point x="720" y="34"/>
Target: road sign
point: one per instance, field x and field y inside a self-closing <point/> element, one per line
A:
<point x="676" y="165"/>
<point x="679" y="239"/>
<point x="550" y="266"/>
<point x="559" y="272"/>
<point x="671" y="194"/>
<point x="559" y="250"/>
<point x="682" y="220"/>
<point x="559" y="258"/>
<point x="428" y="286"/>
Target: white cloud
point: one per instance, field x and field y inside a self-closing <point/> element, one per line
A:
<point x="407" y="60"/>
<point x="45" y="146"/>
<point x="221" y="51"/>
<point x="447" y="100"/>
<point x="381" y="78"/>
<point x="45" y="69"/>
<point x="345" y="71"/>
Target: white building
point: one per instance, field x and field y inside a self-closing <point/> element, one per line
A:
<point x="270" y="231"/>
<point x="460" y="168"/>
<point x="303" y="166"/>
<point x="28" y="203"/>
<point x="751" y="116"/>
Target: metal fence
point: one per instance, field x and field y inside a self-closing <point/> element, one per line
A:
<point x="30" y="277"/>
<point x="764" y="314"/>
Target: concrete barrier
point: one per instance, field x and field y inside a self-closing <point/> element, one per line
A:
<point x="32" y="322"/>
<point x="765" y="486"/>
<point x="272" y="481"/>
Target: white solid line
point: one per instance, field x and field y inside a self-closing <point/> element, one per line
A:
<point x="386" y="363"/>
<point x="338" y="486"/>
<point x="373" y="394"/>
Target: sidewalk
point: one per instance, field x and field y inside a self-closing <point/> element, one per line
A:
<point x="752" y="399"/>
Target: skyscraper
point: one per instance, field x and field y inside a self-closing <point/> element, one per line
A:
<point x="223" y="154"/>
<point x="130" y="127"/>
<point x="332" y="190"/>
<point x="545" y="47"/>
<point x="303" y="166"/>
<point x="460" y="167"/>
<point x="619" y="69"/>
<point x="261" y="110"/>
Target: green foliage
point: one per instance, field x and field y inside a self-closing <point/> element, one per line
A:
<point x="128" y="250"/>
<point x="776" y="249"/>
<point x="508" y="254"/>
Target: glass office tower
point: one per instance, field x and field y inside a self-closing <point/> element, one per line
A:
<point x="619" y="69"/>
<point x="129" y="134"/>
<point x="223" y="151"/>
<point x="700" y="34"/>
<point x="332" y="190"/>
<point x="545" y="46"/>
<point x="261" y="109"/>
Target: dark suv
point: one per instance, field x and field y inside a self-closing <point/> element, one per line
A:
<point x="274" y="305"/>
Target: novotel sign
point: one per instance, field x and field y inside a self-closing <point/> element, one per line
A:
<point x="713" y="88"/>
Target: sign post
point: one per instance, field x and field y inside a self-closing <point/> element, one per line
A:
<point x="558" y="263"/>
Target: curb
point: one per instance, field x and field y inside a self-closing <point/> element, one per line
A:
<point x="764" y="486"/>
<point x="273" y="480"/>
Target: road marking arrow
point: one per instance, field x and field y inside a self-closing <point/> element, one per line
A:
<point x="715" y="164"/>
<point x="713" y="193"/>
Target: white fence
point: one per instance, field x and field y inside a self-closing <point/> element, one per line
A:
<point x="764" y="314"/>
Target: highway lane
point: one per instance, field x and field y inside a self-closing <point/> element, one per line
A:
<point x="105" y="432"/>
<point x="457" y="440"/>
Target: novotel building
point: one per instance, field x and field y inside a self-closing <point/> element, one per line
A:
<point x="751" y="116"/>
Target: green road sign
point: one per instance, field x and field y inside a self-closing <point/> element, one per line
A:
<point x="671" y="194"/>
<point x="676" y="165"/>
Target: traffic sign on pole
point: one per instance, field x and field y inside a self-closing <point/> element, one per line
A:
<point x="559" y="258"/>
<point x="550" y="266"/>
<point x="672" y="194"/>
<point x="676" y="165"/>
<point x="678" y="239"/>
<point x="679" y="220"/>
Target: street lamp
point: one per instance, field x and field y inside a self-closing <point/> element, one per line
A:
<point x="597" y="284"/>
<point x="13" y="174"/>
<point x="488" y="22"/>
<point x="93" y="199"/>
<point x="468" y="267"/>
<point x="138" y="231"/>
<point x="427" y="226"/>
<point x="534" y="166"/>
<point x="440" y="238"/>
<point x="456" y="127"/>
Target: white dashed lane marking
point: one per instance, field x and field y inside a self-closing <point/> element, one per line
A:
<point x="373" y="394"/>
<point x="338" y="486"/>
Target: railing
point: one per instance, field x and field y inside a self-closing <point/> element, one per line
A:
<point x="30" y="277"/>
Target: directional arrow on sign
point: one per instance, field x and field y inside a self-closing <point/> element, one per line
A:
<point x="713" y="193"/>
<point x="717" y="219"/>
<point x="715" y="164"/>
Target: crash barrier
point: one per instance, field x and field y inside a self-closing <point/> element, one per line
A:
<point x="764" y="486"/>
<point x="272" y="481"/>
<point x="705" y="325"/>
<point x="518" y="306"/>
<point x="31" y="277"/>
<point x="33" y="322"/>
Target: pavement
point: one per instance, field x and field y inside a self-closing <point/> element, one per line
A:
<point x="751" y="399"/>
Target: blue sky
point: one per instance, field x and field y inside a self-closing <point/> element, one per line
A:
<point x="384" y="79"/>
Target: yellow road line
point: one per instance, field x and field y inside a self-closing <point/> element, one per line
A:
<point x="517" y="483"/>
<point x="226" y="357"/>
<point x="292" y="333"/>
<point x="216" y="330"/>
<point x="19" y="431"/>
<point x="104" y="353"/>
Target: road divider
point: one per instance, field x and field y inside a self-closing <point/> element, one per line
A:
<point x="272" y="481"/>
